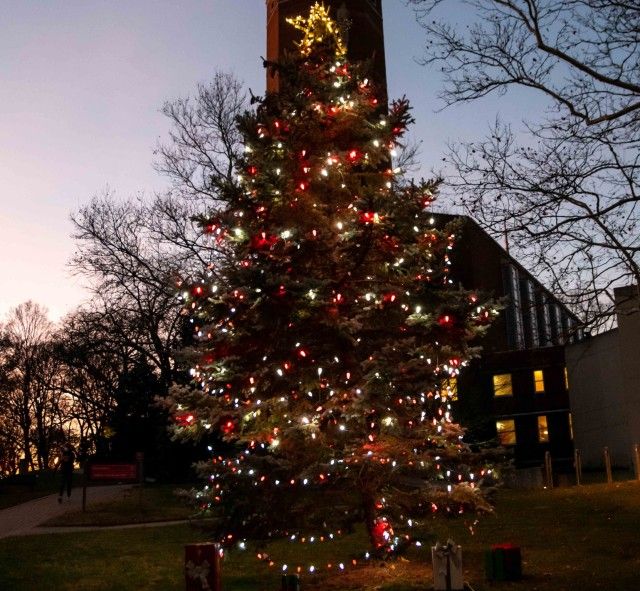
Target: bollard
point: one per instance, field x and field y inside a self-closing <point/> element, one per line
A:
<point x="548" y="469"/>
<point x="85" y="476"/>
<point x="607" y="465"/>
<point x="202" y="567"/>
<point x="636" y="459"/>
<point x="140" y="471"/>
<point x="577" y="463"/>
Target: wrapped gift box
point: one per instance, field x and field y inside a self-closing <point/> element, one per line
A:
<point x="202" y="567"/>
<point x="503" y="563"/>
<point x="447" y="564"/>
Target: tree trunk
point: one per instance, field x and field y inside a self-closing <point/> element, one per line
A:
<point x="369" y="509"/>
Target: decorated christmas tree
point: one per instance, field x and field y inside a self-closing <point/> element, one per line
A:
<point x="328" y="330"/>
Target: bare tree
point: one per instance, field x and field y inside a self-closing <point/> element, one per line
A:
<point x="136" y="253"/>
<point x="9" y="445"/>
<point x="567" y="196"/>
<point x="204" y="142"/>
<point x="10" y="433"/>
<point x="133" y="276"/>
<point x="28" y="392"/>
<point x="93" y="360"/>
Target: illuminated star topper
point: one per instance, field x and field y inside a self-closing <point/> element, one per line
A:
<point x="317" y="29"/>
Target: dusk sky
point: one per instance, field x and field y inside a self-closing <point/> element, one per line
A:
<point x="81" y="86"/>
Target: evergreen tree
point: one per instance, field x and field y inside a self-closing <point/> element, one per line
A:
<point x="328" y="330"/>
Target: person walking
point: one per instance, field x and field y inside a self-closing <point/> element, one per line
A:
<point x="67" y="460"/>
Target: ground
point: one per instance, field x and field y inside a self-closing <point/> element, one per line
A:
<point x="580" y="538"/>
<point x="24" y="519"/>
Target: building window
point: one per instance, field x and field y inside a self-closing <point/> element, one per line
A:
<point x="529" y="314"/>
<point x="502" y="385"/>
<point x="555" y="317"/>
<point x="566" y="379"/>
<point x="538" y="381"/>
<point x="450" y="388"/>
<point x="513" y="312"/>
<point x="561" y="319"/>
<point x="506" y="431"/>
<point x="544" y="321"/>
<point x="543" y="430"/>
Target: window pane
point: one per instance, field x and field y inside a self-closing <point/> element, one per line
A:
<point x="506" y="431"/>
<point x="513" y="312"/>
<point x="543" y="430"/>
<point x="538" y="379"/>
<point x="502" y="385"/>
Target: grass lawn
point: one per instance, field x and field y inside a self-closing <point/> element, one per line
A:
<point x="578" y="539"/>
<point x="152" y="503"/>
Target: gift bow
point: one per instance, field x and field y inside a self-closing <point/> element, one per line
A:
<point x="450" y="550"/>
<point x="199" y="572"/>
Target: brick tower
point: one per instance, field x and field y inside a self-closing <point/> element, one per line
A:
<point x="364" y="32"/>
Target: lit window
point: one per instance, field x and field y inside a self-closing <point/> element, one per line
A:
<point x="543" y="430"/>
<point x="502" y="385"/>
<point x="566" y="379"/>
<point x="571" y="426"/>
<point x="450" y="388"/>
<point x="506" y="431"/>
<point x="538" y="380"/>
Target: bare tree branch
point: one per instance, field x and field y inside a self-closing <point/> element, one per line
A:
<point x="568" y="195"/>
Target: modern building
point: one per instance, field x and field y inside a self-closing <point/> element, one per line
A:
<point x="517" y="391"/>
<point x="604" y="374"/>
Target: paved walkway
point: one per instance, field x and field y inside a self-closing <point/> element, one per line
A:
<point x="77" y="528"/>
<point x="24" y="519"/>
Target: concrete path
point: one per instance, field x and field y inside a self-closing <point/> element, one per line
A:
<point x="80" y="528"/>
<point x="24" y="519"/>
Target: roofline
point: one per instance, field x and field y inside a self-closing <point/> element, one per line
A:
<point x="469" y="220"/>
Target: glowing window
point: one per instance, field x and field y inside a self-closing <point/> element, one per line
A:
<point x="502" y="385"/>
<point x="538" y="380"/>
<point x="450" y="388"/>
<point x="543" y="430"/>
<point x="566" y="379"/>
<point x="506" y="431"/>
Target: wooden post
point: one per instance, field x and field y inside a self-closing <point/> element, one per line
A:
<point x="140" y="470"/>
<point x="607" y="465"/>
<point x="636" y="459"/>
<point x="202" y="567"/>
<point x="548" y="469"/>
<point x="290" y="583"/>
<point x="85" y="477"/>
<point x="577" y="463"/>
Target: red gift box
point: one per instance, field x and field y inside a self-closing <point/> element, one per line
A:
<point x="504" y="562"/>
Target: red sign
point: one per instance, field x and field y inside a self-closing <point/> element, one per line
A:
<point x="113" y="472"/>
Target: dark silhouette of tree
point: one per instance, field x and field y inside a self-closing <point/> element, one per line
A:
<point x="30" y="399"/>
<point x="134" y="253"/>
